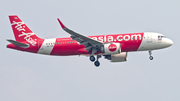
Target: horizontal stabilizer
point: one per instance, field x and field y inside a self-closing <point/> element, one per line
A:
<point x="19" y="44"/>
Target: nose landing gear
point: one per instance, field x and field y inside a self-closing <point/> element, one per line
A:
<point x="150" y="53"/>
<point x="151" y="57"/>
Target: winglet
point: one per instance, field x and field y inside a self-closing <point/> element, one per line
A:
<point x="61" y="23"/>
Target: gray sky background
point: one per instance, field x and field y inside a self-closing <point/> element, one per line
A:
<point x="33" y="77"/>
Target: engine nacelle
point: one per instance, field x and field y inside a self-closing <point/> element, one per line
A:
<point x="117" y="57"/>
<point x="111" y="48"/>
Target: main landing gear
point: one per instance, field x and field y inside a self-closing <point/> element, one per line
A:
<point x="96" y="63"/>
<point x="92" y="58"/>
<point x="150" y="53"/>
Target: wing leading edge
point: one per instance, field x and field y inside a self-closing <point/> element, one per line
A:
<point x="90" y="44"/>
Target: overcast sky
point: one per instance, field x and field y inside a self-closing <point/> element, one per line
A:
<point x="34" y="77"/>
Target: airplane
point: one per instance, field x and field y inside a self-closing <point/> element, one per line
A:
<point x="114" y="47"/>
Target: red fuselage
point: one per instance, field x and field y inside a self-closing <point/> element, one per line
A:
<point x="67" y="46"/>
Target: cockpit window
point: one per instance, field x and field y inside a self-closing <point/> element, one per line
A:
<point x="160" y="37"/>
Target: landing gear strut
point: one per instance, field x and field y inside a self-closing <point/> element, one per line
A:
<point x="92" y="58"/>
<point x="150" y="53"/>
<point x="97" y="63"/>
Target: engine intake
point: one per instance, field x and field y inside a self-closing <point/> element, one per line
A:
<point x="117" y="57"/>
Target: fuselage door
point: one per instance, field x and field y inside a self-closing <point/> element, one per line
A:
<point x="149" y="37"/>
<point x="40" y="43"/>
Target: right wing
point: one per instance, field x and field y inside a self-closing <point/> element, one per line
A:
<point x="83" y="40"/>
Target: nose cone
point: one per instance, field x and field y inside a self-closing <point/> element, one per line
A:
<point x="169" y="42"/>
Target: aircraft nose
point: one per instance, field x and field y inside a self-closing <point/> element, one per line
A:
<point x="169" y="42"/>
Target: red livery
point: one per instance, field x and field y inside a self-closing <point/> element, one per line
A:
<point x="113" y="47"/>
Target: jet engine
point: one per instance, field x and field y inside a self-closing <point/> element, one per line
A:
<point x="117" y="57"/>
<point x="111" y="48"/>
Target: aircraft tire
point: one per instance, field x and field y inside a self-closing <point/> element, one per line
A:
<point x="97" y="63"/>
<point x="92" y="58"/>
<point x="151" y="58"/>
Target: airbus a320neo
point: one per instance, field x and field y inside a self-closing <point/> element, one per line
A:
<point x="113" y="47"/>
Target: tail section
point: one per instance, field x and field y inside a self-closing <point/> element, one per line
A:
<point x="21" y="31"/>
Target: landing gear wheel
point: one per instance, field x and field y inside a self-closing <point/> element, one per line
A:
<point x="96" y="63"/>
<point x="92" y="58"/>
<point x="151" y="58"/>
<point x="150" y="53"/>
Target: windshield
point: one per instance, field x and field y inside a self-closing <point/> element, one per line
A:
<point x="161" y="36"/>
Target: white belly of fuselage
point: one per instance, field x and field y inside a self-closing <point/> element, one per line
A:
<point x="151" y="42"/>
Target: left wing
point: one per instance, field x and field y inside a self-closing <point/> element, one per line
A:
<point x="83" y="40"/>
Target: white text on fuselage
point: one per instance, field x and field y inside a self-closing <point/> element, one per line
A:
<point x="122" y="37"/>
<point x="27" y="36"/>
